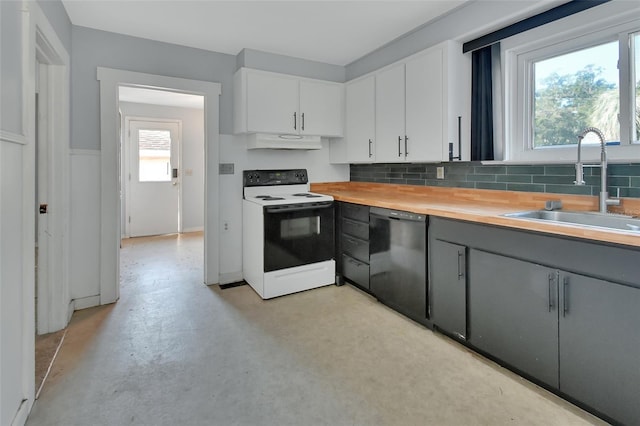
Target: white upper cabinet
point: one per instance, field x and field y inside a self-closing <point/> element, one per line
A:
<point x="424" y="108"/>
<point x="266" y="102"/>
<point x="422" y="105"/>
<point x="272" y="103"/>
<point x="361" y="120"/>
<point x="390" y="113"/>
<point x="321" y="108"/>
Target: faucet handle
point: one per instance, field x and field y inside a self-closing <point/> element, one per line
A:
<point x="553" y="205"/>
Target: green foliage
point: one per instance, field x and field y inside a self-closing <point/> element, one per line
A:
<point x="566" y="104"/>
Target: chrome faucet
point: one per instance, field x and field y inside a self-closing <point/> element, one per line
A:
<point x="604" y="199"/>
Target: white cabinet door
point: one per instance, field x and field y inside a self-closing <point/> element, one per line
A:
<point x="321" y="111"/>
<point x="361" y="120"/>
<point x="424" y="107"/>
<point x="390" y="104"/>
<point x="272" y="103"/>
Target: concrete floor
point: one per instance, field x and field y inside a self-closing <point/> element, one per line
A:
<point x="175" y="352"/>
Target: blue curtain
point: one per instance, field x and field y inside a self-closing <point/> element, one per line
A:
<point x="481" y="105"/>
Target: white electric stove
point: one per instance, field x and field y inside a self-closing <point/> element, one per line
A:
<point x="288" y="233"/>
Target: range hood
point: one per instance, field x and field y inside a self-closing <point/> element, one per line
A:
<point x="267" y="141"/>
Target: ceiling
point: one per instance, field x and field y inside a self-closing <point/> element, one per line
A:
<point x="334" y="32"/>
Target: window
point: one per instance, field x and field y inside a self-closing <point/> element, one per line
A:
<point x="574" y="73"/>
<point x="574" y="91"/>
<point x="154" y="154"/>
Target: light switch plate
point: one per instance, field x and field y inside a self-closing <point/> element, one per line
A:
<point x="440" y="172"/>
<point x="226" y="168"/>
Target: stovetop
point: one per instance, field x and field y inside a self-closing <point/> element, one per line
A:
<point x="287" y="198"/>
<point x="276" y="187"/>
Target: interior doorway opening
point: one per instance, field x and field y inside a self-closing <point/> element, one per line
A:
<point x="162" y="168"/>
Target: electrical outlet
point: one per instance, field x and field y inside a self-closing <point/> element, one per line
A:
<point x="226" y="226"/>
<point x="440" y="172"/>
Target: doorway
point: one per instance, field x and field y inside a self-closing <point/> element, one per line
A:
<point x="110" y="197"/>
<point x="152" y="177"/>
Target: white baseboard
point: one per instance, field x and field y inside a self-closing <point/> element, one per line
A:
<point x="229" y="277"/>
<point x="193" y="229"/>
<point x="86" y="302"/>
<point x="70" y="310"/>
<point x="23" y="412"/>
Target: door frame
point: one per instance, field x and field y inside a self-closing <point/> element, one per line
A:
<point x="110" y="209"/>
<point x="53" y="307"/>
<point x="126" y="162"/>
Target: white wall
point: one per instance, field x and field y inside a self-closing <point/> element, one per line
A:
<point x="192" y="156"/>
<point x="233" y="149"/>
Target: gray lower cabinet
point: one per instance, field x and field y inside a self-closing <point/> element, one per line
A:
<point x="576" y="333"/>
<point x="353" y="243"/>
<point x="448" y="287"/>
<point x="513" y="313"/>
<point x="600" y="345"/>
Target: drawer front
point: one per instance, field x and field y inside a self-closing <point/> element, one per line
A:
<point x="355" y="229"/>
<point x="355" y="248"/>
<point x="356" y="212"/>
<point x="355" y="271"/>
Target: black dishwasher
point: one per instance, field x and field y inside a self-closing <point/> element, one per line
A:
<point x="398" y="261"/>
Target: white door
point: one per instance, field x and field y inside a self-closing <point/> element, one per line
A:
<point x="424" y="107"/>
<point x="361" y="120"/>
<point x="321" y="108"/>
<point x="153" y="195"/>
<point x="390" y="106"/>
<point x="272" y="103"/>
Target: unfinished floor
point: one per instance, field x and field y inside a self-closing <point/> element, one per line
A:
<point x="173" y="351"/>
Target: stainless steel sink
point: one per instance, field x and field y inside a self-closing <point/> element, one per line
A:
<point x="591" y="219"/>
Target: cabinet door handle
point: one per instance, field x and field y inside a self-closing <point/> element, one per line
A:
<point x="406" y="151"/>
<point x="303" y="121"/>
<point x="370" y="144"/>
<point x="460" y="264"/>
<point x="399" y="140"/>
<point x="552" y="302"/>
<point x="565" y="296"/>
<point x="295" y="121"/>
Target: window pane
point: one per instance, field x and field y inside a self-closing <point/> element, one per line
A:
<point x="574" y="91"/>
<point x="636" y="80"/>
<point x="154" y="153"/>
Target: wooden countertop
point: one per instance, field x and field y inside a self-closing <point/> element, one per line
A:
<point x="483" y="206"/>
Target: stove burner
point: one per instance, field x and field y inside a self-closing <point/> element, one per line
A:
<point x="269" y="197"/>
<point x="307" y="195"/>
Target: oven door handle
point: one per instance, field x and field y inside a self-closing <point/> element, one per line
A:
<point x="297" y="207"/>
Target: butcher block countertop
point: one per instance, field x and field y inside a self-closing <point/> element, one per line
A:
<point x="483" y="206"/>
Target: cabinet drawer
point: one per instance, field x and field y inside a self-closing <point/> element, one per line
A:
<point x="355" y="271"/>
<point x="356" y="229"/>
<point x="356" y="212"/>
<point x="355" y="248"/>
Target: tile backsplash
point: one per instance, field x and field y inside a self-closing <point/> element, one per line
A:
<point x="551" y="178"/>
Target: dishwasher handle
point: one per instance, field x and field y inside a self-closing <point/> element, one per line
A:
<point x="397" y="214"/>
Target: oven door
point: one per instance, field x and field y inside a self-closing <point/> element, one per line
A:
<point x="298" y="234"/>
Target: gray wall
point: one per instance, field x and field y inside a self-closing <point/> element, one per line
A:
<point x="11" y="75"/>
<point x="93" y="48"/>
<point x="251" y="58"/>
<point x="57" y="16"/>
<point x="473" y="19"/>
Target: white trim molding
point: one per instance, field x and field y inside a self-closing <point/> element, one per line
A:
<point x="11" y="137"/>
<point x="110" y="232"/>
